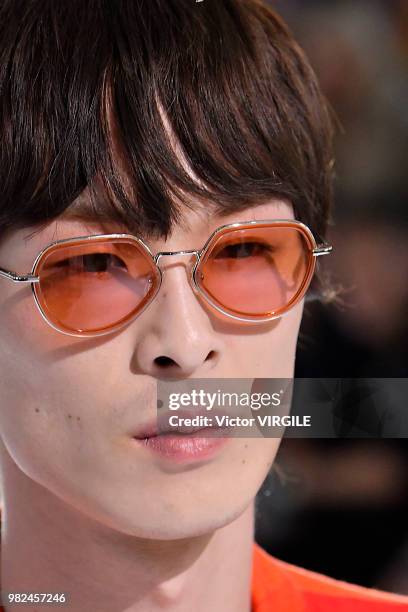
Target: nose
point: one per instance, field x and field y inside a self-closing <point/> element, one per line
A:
<point x="178" y="339"/>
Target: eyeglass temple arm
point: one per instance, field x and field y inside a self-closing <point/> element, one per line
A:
<point x="322" y="249"/>
<point x="19" y="278"/>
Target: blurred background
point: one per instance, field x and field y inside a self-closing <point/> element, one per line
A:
<point x="340" y="506"/>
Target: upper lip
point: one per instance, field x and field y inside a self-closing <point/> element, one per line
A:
<point x="161" y="424"/>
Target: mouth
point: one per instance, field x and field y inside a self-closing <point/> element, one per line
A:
<point x="182" y="444"/>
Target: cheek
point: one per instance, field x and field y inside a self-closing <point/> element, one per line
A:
<point x="19" y="364"/>
<point x="24" y="332"/>
<point x="40" y="407"/>
<point x="26" y="375"/>
<point x="260" y="453"/>
<point x="49" y="427"/>
<point x="269" y="352"/>
<point x="32" y="401"/>
<point x="250" y="466"/>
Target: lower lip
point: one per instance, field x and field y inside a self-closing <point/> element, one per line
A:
<point x="183" y="448"/>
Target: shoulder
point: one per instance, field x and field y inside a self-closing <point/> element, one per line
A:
<point x="310" y="591"/>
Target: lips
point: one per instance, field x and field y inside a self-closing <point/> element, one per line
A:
<point x="160" y="425"/>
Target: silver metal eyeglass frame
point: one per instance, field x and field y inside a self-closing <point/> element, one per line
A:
<point x="318" y="249"/>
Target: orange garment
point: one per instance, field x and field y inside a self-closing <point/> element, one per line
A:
<point x="278" y="586"/>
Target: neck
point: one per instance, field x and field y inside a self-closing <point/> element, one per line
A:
<point x="49" y="546"/>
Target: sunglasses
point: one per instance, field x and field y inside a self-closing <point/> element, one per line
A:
<point x="250" y="271"/>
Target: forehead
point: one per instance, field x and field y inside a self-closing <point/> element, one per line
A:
<point x="192" y="221"/>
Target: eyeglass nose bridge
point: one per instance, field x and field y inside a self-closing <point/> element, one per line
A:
<point x="165" y="253"/>
<point x="196" y="252"/>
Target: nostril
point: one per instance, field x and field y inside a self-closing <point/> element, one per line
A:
<point x="164" y="361"/>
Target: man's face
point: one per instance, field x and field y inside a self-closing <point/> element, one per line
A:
<point x="69" y="405"/>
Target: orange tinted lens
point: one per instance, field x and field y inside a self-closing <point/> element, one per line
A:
<point x="91" y="286"/>
<point x="256" y="272"/>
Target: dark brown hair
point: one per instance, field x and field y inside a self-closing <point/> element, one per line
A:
<point x="239" y="94"/>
